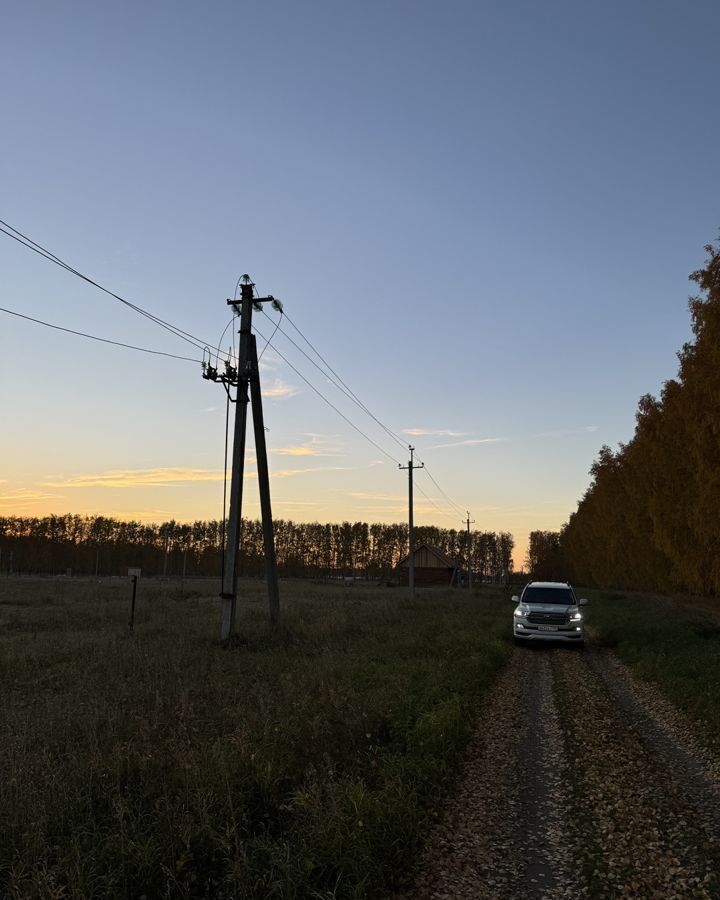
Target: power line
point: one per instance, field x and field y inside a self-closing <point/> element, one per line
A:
<point x="433" y="503"/>
<point x="449" y="500"/>
<point x="217" y="354"/>
<point x="30" y="244"/>
<point x="267" y="343"/>
<point x="94" y="337"/>
<point x="350" y="394"/>
<point x="325" y="399"/>
<point x="337" y="380"/>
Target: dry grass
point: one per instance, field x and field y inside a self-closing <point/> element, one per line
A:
<point x="294" y="764"/>
<point x="672" y="641"/>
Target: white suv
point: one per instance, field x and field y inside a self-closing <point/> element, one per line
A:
<point x="548" y="611"/>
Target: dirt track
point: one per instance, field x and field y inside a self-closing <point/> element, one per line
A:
<point x="579" y="782"/>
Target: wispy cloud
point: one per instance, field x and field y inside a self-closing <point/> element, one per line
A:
<point x="367" y="495"/>
<point x="291" y="473"/>
<point x="24" y="496"/>
<point x="270" y="362"/>
<point x="125" y="478"/>
<point x="318" y="445"/>
<point x="566" y="432"/>
<point x="303" y="450"/>
<point x="209" y="409"/>
<point x="281" y="389"/>
<point x="471" y="442"/>
<point x="429" y="432"/>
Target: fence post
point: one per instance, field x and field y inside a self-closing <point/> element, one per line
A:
<point x="132" y="607"/>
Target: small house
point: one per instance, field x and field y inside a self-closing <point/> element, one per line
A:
<point x="432" y="568"/>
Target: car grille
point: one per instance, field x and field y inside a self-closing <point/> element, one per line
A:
<point x="547" y="618"/>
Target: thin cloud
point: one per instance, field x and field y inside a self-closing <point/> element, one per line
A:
<point x="291" y="473"/>
<point x="126" y="478"/>
<point x="567" y="432"/>
<point x="280" y="389"/>
<point x="269" y="362"/>
<point x="471" y="442"/>
<point x="21" y="496"/>
<point x="318" y="445"/>
<point x="299" y="451"/>
<point x="428" y="432"/>
<point x="367" y="495"/>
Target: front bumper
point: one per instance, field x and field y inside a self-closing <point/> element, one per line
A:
<point x="569" y="633"/>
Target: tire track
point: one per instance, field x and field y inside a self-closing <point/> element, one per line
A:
<point x="641" y="837"/>
<point x="666" y="732"/>
<point x="504" y="833"/>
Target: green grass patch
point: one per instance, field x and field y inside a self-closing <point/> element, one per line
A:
<point x="668" y="642"/>
<point x="296" y="764"/>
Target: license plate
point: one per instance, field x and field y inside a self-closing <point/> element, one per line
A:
<point x="547" y="627"/>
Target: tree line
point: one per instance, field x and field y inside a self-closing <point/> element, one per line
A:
<point x="649" y="518"/>
<point x="89" y="544"/>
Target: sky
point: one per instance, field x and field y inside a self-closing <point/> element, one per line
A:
<point x="483" y="215"/>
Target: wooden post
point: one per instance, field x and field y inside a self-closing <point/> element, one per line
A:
<point x="132" y="606"/>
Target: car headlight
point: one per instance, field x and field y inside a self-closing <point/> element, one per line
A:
<point x="518" y="613"/>
<point x="576" y="617"/>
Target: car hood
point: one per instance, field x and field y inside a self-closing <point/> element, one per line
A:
<point x="547" y="607"/>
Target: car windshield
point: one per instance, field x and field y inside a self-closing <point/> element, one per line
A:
<point x="559" y="596"/>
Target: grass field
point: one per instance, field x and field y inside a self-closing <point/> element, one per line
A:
<point x="673" y="641"/>
<point x="297" y="764"/>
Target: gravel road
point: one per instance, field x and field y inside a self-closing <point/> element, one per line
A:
<point x="579" y="782"/>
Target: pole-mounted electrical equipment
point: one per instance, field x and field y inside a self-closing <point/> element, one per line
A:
<point x="246" y="379"/>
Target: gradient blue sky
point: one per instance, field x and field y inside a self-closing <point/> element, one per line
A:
<point x="482" y="214"/>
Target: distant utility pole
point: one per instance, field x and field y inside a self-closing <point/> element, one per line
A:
<point x="246" y="379"/>
<point x="469" y="522"/>
<point x="411" y="536"/>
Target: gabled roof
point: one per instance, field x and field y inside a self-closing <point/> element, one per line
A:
<point x="450" y="563"/>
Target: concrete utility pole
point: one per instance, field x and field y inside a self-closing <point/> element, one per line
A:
<point x="469" y="541"/>
<point x="411" y="536"/>
<point x="246" y="378"/>
<point x="264" y="482"/>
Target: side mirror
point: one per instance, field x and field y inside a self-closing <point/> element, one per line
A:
<point x="583" y="602"/>
<point x="516" y="600"/>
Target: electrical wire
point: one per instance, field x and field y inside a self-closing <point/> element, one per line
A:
<point x="270" y="338"/>
<point x="325" y="400"/>
<point x="346" y="390"/>
<point x="430" y="500"/>
<point x="358" y="402"/>
<point x="449" y="500"/>
<point x="217" y="355"/>
<point x="94" y="337"/>
<point x="337" y="380"/>
<point x="30" y="244"/>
